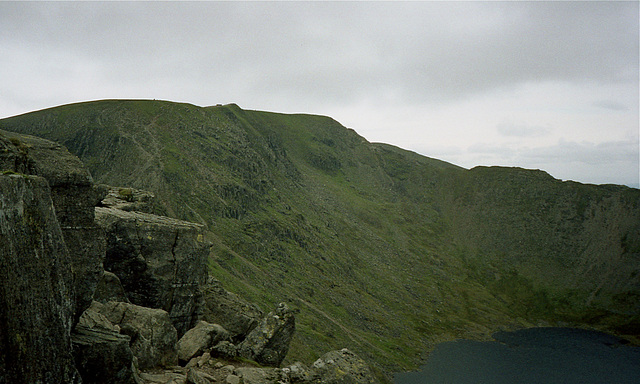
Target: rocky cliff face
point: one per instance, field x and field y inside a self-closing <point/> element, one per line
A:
<point x="524" y="231"/>
<point x="74" y="199"/>
<point x="38" y="293"/>
<point x="51" y="255"/>
<point x="36" y="286"/>
<point x="161" y="262"/>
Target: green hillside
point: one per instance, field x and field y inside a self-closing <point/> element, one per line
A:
<point x="382" y="250"/>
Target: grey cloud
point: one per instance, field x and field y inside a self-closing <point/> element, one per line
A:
<point x="555" y="41"/>
<point x="623" y="151"/>
<point x="340" y="51"/>
<point x="372" y="58"/>
<point x="521" y="130"/>
<point x="611" y="105"/>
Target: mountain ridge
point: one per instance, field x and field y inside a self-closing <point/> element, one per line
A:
<point x="383" y="250"/>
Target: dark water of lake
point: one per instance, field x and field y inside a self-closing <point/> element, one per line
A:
<point x="531" y="356"/>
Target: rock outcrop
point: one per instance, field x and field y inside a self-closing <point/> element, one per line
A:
<point x="63" y="318"/>
<point x="161" y="262"/>
<point x="74" y="199"/>
<point x="268" y="343"/>
<point x="47" y="226"/>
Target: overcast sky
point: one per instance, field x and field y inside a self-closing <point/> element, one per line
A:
<point x="541" y="85"/>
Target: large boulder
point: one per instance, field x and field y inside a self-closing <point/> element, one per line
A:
<point x="161" y="262"/>
<point x="200" y="339"/>
<point x="103" y="355"/>
<point x="101" y="352"/>
<point x="36" y="286"/>
<point x="153" y="337"/>
<point x="268" y="343"/>
<point x="235" y="314"/>
<point x="341" y="367"/>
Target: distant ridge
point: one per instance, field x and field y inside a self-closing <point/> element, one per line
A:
<point x="382" y="250"/>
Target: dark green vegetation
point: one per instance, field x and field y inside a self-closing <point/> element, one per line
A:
<point x="382" y="250"/>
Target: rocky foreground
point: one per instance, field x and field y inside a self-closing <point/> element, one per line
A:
<point x="96" y="288"/>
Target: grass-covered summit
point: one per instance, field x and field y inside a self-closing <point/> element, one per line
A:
<point x="382" y="250"/>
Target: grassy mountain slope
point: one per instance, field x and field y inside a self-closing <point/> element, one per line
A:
<point x="383" y="251"/>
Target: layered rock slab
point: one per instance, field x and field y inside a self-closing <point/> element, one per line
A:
<point x="161" y="262"/>
<point x="153" y="337"/>
<point x="103" y="356"/>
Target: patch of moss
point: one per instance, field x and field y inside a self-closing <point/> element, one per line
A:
<point x="126" y="193"/>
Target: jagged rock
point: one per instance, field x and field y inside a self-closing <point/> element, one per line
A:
<point x="74" y="199"/>
<point x="199" y="361"/>
<point x="93" y="319"/>
<point x="232" y="379"/>
<point x="224" y="350"/>
<point x="110" y="289"/>
<point x="36" y="286"/>
<point x="298" y="372"/>
<point x="102" y="355"/>
<point x="235" y="314"/>
<point x="153" y="337"/>
<point x="199" y="339"/>
<point x="341" y="367"/>
<point x="127" y="199"/>
<point x="268" y="343"/>
<point x="197" y="377"/>
<point x="161" y="262"/>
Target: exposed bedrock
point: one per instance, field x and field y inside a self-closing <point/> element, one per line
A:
<point x="36" y="286"/>
<point x="161" y="262"/>
<point x="74" y="199"/>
